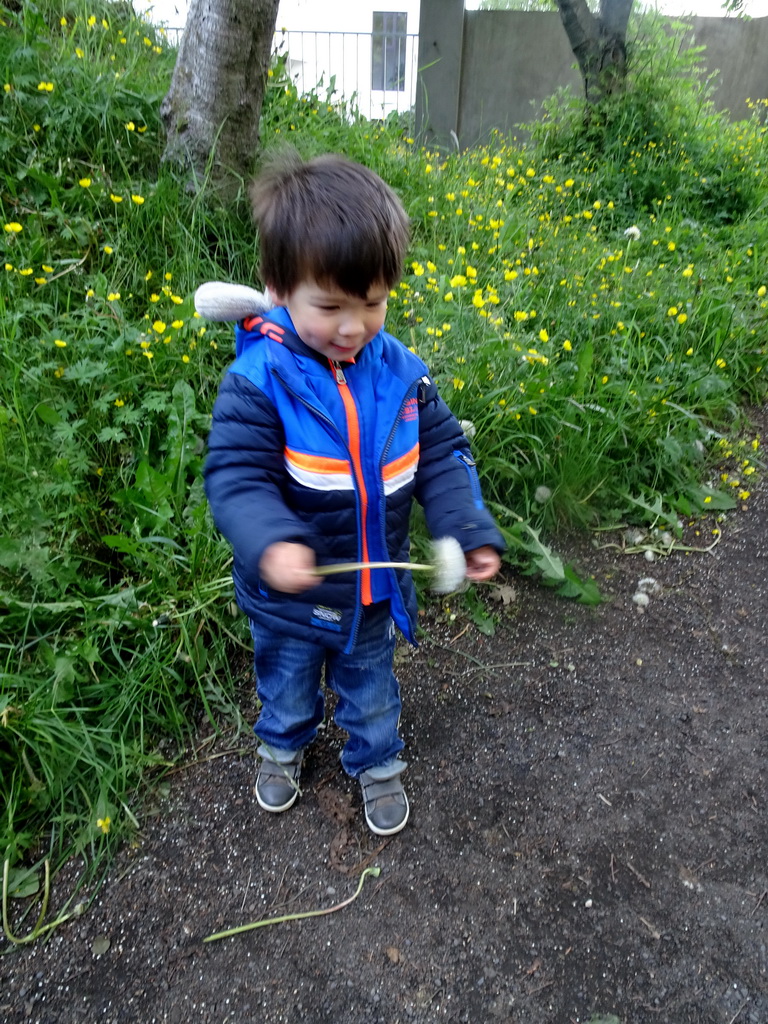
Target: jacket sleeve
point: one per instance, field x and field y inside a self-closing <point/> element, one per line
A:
<point x="244" y="474"/>
<point x="447" y="484"/>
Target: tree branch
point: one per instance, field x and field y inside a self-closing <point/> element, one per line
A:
<point x="614" y="16"/>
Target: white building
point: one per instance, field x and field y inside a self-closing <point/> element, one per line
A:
<point x="367" y="48"/>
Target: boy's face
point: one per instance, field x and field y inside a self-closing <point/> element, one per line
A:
<point x="332" y="322"/>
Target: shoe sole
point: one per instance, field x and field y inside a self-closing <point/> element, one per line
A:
<point x="389" y="831"/>
<point x="272" y="808"/>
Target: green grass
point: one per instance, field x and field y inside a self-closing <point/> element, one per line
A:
<point x="606" y="373"/>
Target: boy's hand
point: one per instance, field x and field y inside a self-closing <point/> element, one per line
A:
<point x="288" y="567"/>
<point x="482" y="563"/>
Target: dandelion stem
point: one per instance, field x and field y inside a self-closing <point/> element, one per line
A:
<point x="332" y="570"/>
<point x="375" y="871"/>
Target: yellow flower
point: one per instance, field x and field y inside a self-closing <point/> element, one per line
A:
<point x="682" y="317"/>
<point x="47" y="269"/>
<point x="744" y="495"/>
<point x="520" y="315"/>
<point x="108" y="250"/>
<point x="119" y="403"/>
<point x="130" y="126"/>
<point x="567" y="345"/>
<point x="672" y="311"/>
<point x="137" y="199"/>
<point x="761" y="292"/>
<point x="13" y="228"/>
<point x="671" y="246"/>
<point x="543" y="335"/>
<point x="458" y="384"/>
<point x="84" y="183"/>
<point x="114" y="198"/>
<point x="510" y="275"/>
<point x="59" y="343"/>
<point x="45" y="87"/>
<point x="458" y="281"/>
<point x="185" y="359"/>
<point x="158" y="326"/>
<point x="177" y="324"/>
<point x="79" y="53"/>
<point x="688" y="272"/>
<point x="103" y="824"/>
<point x="113" y="296"/>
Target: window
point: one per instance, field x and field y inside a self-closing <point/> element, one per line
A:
<point x="388" y="51"/>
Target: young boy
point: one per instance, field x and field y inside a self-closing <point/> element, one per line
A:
<point x="324" y="430"/>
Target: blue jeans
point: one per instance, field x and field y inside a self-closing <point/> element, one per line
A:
<point x="288" y="676"/>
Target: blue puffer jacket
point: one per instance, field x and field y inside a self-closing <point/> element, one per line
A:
<point x="329" y="455"/>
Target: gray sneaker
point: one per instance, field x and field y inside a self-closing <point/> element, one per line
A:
<point x="384" y="799"/>
<point x="277" y="784"/>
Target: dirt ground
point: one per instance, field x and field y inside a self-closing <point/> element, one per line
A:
<point x="588" y="837"/>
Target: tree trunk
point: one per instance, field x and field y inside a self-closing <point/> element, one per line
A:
<point x="599" y="44"/>
<point x="212" y="109"/>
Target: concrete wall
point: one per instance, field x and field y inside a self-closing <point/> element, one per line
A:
<point x="739" y="51"/>
<point x="486" y="70"/>
<point x="510" y="64"/>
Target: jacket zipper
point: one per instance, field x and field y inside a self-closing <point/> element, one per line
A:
<point x="341" y="380"/>
<point x="390" y="439"/>
<point x="326" y="419"/>
<point x="474" y="481"/>
<point x="353" y="447"/>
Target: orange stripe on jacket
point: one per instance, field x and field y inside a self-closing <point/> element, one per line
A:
<point x="317" y="463"/>
<point x="319" y="473"/>
<point x="400" y="471"/>
<point x="397" y="466"/>
<point x="353" y="431"/>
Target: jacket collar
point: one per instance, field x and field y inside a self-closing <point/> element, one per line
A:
<point x="277" y="326"/>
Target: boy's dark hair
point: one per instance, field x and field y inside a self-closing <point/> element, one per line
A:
<point x="328" y="219"/>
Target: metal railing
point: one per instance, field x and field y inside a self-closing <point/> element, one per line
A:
<point x="344" y="63"/>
